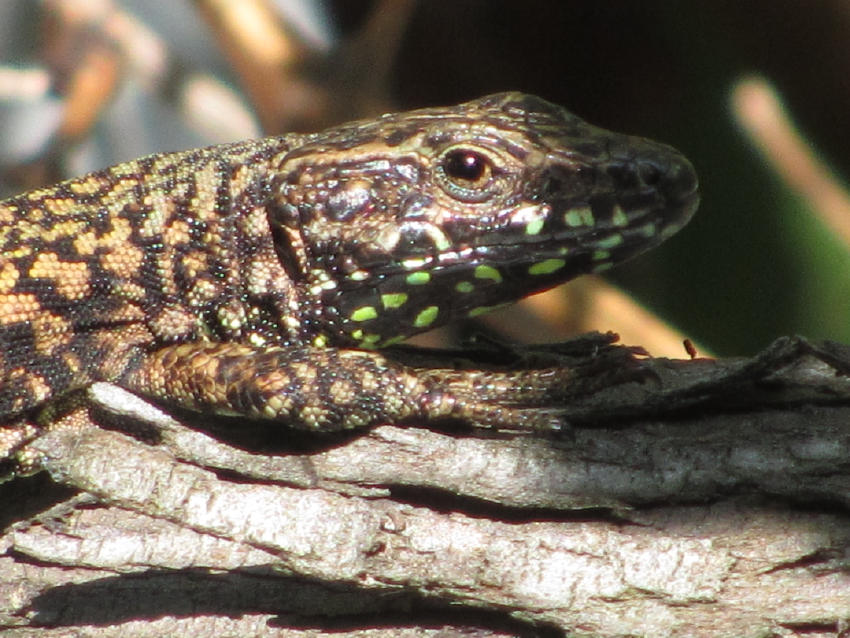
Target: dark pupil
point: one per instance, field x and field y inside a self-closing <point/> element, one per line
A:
<point x="465" y="165"/>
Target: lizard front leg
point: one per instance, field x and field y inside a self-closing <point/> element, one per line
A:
<point x="17" y="457"/>
<point x="326" y="389"/>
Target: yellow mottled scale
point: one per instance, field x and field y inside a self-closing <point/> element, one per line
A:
<point x="259" y="278"/>
<point x="71" y="279"/>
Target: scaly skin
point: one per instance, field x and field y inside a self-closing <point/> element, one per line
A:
<point x="260" y="278"/>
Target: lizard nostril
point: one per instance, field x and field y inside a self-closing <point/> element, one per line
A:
<point x="650" y="174"/>
<point x="670" y="174"/>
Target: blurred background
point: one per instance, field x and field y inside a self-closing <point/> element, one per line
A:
<point x="755" y="92"/>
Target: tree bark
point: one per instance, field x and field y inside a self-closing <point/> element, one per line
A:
<point x="708" y="498"/>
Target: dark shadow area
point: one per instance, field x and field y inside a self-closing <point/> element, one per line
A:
<point x="298" y="603"/>
<point x="24" y="498"/>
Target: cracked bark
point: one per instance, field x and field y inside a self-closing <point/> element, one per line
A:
<point x="706" y="500"/>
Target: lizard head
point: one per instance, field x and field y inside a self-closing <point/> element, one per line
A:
<point x="401" y="224"/>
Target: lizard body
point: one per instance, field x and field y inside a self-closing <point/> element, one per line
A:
<point x="261" y="278"/>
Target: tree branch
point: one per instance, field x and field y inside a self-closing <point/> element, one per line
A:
<point x="708" y="499"/>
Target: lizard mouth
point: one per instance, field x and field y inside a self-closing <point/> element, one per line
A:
<point x="427" y="288"/>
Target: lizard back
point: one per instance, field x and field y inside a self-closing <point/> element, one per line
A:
<point x="135" y="254"/>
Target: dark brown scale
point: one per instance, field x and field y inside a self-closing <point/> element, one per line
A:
<point x="257" y="277"/>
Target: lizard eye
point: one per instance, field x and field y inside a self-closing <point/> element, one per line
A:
<point x="466" y="167"/>
<point x="466" y="174"/>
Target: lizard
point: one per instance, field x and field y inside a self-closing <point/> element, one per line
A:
<point x="268" y="278"/>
